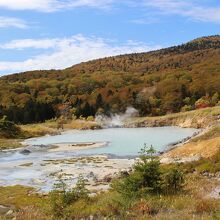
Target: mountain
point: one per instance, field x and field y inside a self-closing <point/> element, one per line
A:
<point x="174" y="79"/>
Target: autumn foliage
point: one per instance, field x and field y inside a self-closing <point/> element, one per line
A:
<point x="179" y="78"/>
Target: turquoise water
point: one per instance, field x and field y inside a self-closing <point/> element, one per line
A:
<point x="121" y="141"/>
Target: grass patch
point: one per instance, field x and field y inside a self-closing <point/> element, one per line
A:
<point x="51" y="127"/>
<point x="200" y="118"/>
<point x="81" y="125"/>
<point x="36" y="130"/>
<point x="214" y="132"/>
<point x="26" y="164"/>
<point x="211" y="165"/>
<point x="6" y="144"/>
<point x="21" y="196"/>
<point x="111" y="205"/>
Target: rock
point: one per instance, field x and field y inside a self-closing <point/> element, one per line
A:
<point x="168" y="210"/>
<point x="95" y="179"/>
<point x="4" y="209"/>
<point x="217" y="175"/>
<point x="91" y="195"/>
<point x="91" y="217"/>
<point x="10" y="212"/>
<point x="205" y="173"/>
<point x="124" y="173"/>
<point x="25" y="152"/>
<point x="108" y="178"/>
<point x="91" y="175"/>
<point x="211" y="175"/>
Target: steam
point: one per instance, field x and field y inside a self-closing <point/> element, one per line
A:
<point x="116" y="120"/>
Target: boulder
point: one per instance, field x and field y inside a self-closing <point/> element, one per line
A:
<point x="124" y="173"/>
<point x="25" y="152"/>
<point x="108" y="178"/>
<point x="4" y="210"/>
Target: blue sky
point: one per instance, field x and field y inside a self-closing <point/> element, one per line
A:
<point x="54" y="34"/>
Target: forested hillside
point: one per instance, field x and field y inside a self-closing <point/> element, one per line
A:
<point x="175" y="79"/>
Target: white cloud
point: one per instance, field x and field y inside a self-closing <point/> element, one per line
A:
<point x="193" y="9"/>
<point x="145" y="20"/>
<point x="12" y="22"/>
<point x="67" y="52"/>
<point x="30" y="43"/>
<point x="52" y="5"/>
<point x="188" y="8"/>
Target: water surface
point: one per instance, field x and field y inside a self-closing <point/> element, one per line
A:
<point x="122" y="142"/>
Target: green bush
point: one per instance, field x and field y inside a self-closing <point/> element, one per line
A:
<point x="174" y="180"/>
<point x="62" y="198"/>
<point x="148" y="177"/>
<point x="8" y="129"/>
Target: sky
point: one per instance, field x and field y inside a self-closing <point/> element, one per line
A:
<point x="55" y="34"/>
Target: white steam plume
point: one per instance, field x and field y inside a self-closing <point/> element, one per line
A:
<point x="116" y="120"/>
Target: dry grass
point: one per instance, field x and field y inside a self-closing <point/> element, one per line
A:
<point x="35" y="130"/>
<point x="200" y="118"/>
<point x="212" y="132"/>
<point x="81" y="125"/>
<point x="202" y="187"/>
<point x="193" y="204"/>
<point x="205" y="149"/>
<point x="31" y="213"/>
<point x="10" y="144"/>
<point x="51" y="127"/>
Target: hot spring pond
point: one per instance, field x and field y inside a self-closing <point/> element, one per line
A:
<point x="119" y="141"/>
<point x="36" y="169"/>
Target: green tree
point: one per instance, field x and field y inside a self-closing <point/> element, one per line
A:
<point x="148" y="168"/>
<point x="150" y="177"/>
<point x="146" y="177"/>
<point x="215" y="99"/>
<point x="8" y="129"/>
<point x="99" y="101"/>
<point x="174" y="180"/>
<point x="61" y="197"/>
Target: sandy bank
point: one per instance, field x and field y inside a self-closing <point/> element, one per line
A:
<point x="98" y="170"/>
<point x="76" y="146"/>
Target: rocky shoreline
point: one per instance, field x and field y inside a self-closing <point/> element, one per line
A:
<point x="184" y="121"/>
<point x="100" y="169"/>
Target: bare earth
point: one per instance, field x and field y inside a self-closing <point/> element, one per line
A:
<point x="75" y="146"/>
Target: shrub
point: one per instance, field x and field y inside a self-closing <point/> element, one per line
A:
<point x="149" y="169"/>
<point x="146" y="177"/>
<point x="30" y="212"/>
<point x="145" y="208"/>
<point x="203" y="103"/>
<point x="204" y="206"/>
<point x="215" y="99"/>
<point x="90" y="118"/>
<point x="174" y="180"/>
<point x="62" y="197"/>
<point x="8" y="129"/>
<point x="186" y="108"/>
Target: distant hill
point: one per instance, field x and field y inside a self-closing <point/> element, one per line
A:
<point x="174" y="79"/>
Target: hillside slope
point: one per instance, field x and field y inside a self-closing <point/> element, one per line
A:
<point x="175" y="79"/>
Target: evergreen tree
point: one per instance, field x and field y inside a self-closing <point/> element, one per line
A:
<point x="99" y="101"/>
